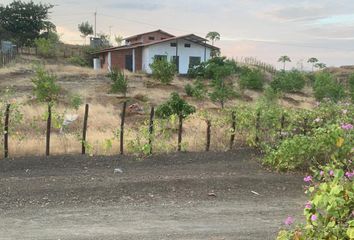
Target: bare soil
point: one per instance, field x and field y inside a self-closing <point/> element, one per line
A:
<point x="176" y="196"/>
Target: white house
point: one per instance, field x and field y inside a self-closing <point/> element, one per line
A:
<point x="141" y="50"/>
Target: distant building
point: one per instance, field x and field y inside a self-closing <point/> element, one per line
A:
<point x="140" y="51"/>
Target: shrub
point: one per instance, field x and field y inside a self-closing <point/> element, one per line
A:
<point x="217" y="67"/>
<point x="47" y="47"/>
<point x="175" y="106"/>
<point x="163" y="71"/>
<point x="222" y="91"/>
<point x="75" y="101"/>
<point x="119" y="82"/>
<point x="45" y="87"/>
<point x="351" y="87"/>
<point x="78" y="61"/>
<point x="198" y="89"/>
<point x="251" y="79"/>
<point x="326" y="87"/>
<point x="291" y="81"/>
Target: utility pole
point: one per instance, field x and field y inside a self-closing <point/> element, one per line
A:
<point x="95" y="22"/>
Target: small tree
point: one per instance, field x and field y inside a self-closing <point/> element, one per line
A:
<point x="326" y="87"/>
<point x="291" y="81"/>
<point x="175" y="106"/>
<point x="163" y="71"/>
<point x="313" y="61"/>
<point x="85" y="29"/>
<point x="47" y="47"/>
<point x="213" y="36"/>
<point x="119" y="40"/>
<point x="119" y="82"/>
<point x="320" y="66"/>
<point x="45" y="88"/>
<point x="284" y="60"/>
<point x="252" y="79"/>
<point x="222" y="91"/>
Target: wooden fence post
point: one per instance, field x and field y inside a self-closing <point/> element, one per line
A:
<point x="83" y="147"/>
<point x="257" y="126"/>
<point x="122" y="128"/>
<point x="207" y="147"/>
<point x="180" y="127"/>
<point x="151" y="128"/>
<point x="6" y="131"/>
<point x="305" y="125"/>
<point x="233" y="129"/>
<point x="49" y="123"/>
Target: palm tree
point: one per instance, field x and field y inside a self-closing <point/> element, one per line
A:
<point x="213" y="36"/>
<point x="119" y="40"/>
<point x="320" y="66"/>
<point x="284" y="59"/>
<point x="313" y="61"/>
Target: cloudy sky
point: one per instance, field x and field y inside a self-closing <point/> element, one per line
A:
<point x="265" y="29"/>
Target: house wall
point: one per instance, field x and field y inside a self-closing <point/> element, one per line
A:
<point x="117" y="59"/>
<point x="184" y="53"/>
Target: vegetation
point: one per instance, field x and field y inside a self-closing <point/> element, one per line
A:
<point x="213" y="36"/>
<point x="292" y="81"/>
<point x="78" y="61"/>
<point x="119" y="82"/>
<point x="29" y="16"/>
<point x="197" y="90"/>
<point x="85" y="29"/>
<point x="119" y="40"/>
<point x="326" y="87"/>
<point x="251" y="79"/>
<point x="222" y="91"/>
<point x="351" y="87"/>
<point x="47" y="47"/>
<point x="216" y="67"/>
<point x="45" y="88"/>
<point x="284" y="60"/>
<point x="175" y="106"/>
<point x="313" y="61"/>
<point x="163" y="71"/>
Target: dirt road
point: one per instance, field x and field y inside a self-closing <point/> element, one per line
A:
<point x="179" y="196"/>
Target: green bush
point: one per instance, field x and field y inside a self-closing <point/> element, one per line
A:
<point x="47" y="47"/>
<point x="163" y="71"/>
<point x="251" y="79"/>
<point x="78" y="61"/>
<point x="326" y="87"/>
<point x="119" y="82"/>
<point x="351" y="87"/>
<point x="222" y="91"/>
<point x="45" y="86"/>
<point x="291" y="81"/>
<point x="217" y="67"/>
<point x="175" y="106"/>
<point x="197" y="90"/>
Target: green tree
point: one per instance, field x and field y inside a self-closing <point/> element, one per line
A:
<point x="320" y="66"/>
<point x="291" y="81"/>
<point x="45" y="88"/>
<point x="313" y="61"/>
<point x="25" y="21"/>
<point x="163" y="71"/>
<point x="284" y="59"/>
<point x="119" y="40"/>
<point x="222" y="91"/>
<point x="120" y="82"/>
<point x="213" y="36"/>
<point x="252" y="79"/>
<point x="85" y="29"/>
<point x="326" y="87"/>
<point x="175" y="106"/>
<point x="47" y="47"/>
<point x="351" y="87"/>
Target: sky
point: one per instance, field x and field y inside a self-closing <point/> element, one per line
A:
<point x="264" y="29"/>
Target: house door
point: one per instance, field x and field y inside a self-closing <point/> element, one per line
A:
<point x="175" y="60"/>
<point x="129" y="62"/>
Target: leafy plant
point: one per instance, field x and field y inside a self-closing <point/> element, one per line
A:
<point x="163" y="71"/>
<point x="47" y="46"/>
<point x="175" y="106"/>
<point x="351" y="87"/>
<point x="85" y="29"/>
<point x="326" y="87"/>
<point x="119" y="82"/>
<point x="78" y="61"/>
<point x="45" y="88"/>
<point x="291" y="81"/>
<point x="222" y="91"/>
<point x="198" y="90"/>
<point x="251" y="79"/>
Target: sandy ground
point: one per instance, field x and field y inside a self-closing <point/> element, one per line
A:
<point x="178" y="196"/>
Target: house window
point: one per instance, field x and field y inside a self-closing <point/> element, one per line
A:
<point x="160" y="57"/>
<point x="151" y="38"/>
<point x="187" y="45"/>
<point x="173" y="44"/>
<point x="194" y="61"/>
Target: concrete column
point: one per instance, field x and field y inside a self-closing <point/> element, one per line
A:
<point x="109" y="61"/>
